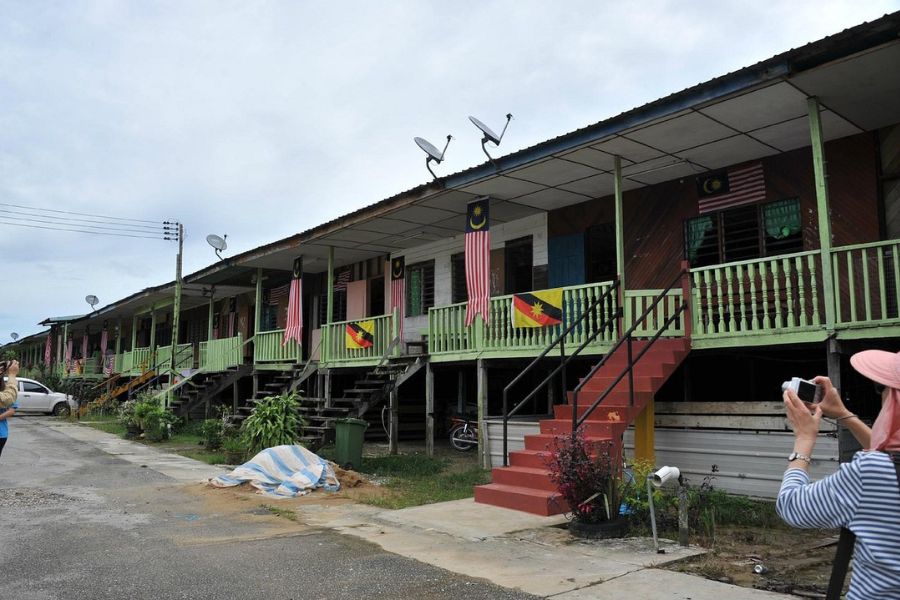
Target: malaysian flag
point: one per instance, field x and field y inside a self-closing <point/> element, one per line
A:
<point x="294" y="326"/>
<point x="342" y="279"/>
<point x="84" y="345"/>
<point x="734" y="187"/>
<point x="48" y="349"/>
<point x="478" y="260"/>
<point x="104" y="340"/>
<point x="69" y="354"/>
<point x="398" y="289"/>
<point x="276" y="294"/>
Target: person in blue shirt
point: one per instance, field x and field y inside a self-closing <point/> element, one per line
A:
<point x="863" y="495"/>
<point x="4" y="423"/>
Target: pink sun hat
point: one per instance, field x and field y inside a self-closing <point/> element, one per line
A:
<point x="883" y="367"/>
<point x="878" y="365"/>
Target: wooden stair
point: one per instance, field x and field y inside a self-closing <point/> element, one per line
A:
<point x="525" y="484"/>
<point x="118" y="390"/>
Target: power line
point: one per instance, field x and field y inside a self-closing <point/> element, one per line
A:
<point x="66" y="220"/>
<point x="98" y="227"/>
<point x="146" y="237"/>
<point x="67" y="212"/>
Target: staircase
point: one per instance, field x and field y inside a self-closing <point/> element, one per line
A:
<point x="118" y="390"/>
<point x="367" y="393"/>
<point x="195" y="394"/>
<point x="525" y="485"/>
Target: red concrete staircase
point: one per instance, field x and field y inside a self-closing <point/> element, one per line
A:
<point x="525" y="484"/>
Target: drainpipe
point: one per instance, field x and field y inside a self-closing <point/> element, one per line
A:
<point x="822" y="209"/>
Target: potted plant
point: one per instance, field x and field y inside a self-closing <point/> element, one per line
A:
<point x="235" y="449"/>
<point x="586" y="474"/>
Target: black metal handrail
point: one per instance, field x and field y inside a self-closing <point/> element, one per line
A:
<point x="629" y="369"/>
<point x="564" y="360"/>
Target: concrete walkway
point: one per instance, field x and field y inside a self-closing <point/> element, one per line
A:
<point x="506" y="547"/>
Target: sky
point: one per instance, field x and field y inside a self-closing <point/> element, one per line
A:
<point x="263" y="119"/>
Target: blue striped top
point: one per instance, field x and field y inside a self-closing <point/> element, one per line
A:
<point x="864" y="497"/>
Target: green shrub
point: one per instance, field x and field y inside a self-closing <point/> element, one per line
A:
<point x="211" y="433"/>
<point x="274" y="421"/>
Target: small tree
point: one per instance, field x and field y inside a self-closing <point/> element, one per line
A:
<point x="274" y="421"/>
<point x="586" y="474"/>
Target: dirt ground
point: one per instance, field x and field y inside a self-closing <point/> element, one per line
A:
<point x="791" y="560"/>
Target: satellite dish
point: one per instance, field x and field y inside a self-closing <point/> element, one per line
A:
<point x="14" y="336"/>
<point x="489" y="135"/>
<point x="432" y="152"/>
<point x="218" y="243"/>
<point x="92" y="300"/>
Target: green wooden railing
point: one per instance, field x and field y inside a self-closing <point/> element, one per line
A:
<point x="135" y="361"/>
<point x="184" y="357"/>
<point x="866" y="280"/>
<point x="218" y="355"/>
<point x="267" y="348"/>
<point x="447" y="333"/>
<point x="780" y="294"/>
<point x="334" y="345"/>
<point x="639" y="301"/>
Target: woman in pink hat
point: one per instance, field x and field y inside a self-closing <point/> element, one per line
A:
<point x="864" y="495"/>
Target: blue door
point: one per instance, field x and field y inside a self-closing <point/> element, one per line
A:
<point x="566" y="260"/>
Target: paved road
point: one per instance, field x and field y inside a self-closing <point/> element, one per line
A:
<point x="79" y="523"/>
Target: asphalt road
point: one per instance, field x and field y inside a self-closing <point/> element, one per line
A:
<point x="78" y="523"/>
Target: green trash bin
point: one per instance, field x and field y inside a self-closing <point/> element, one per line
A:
<point x="348" y="442"/>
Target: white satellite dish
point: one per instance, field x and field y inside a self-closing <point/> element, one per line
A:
<point x="489" y="135"/>
<point x="92" y="300"/>
<point x="218" y="243"/>
<point x="432" y="152"/>
<point x="14" y="336"/>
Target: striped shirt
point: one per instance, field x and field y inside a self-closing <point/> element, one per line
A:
<point x="864" y="497"/>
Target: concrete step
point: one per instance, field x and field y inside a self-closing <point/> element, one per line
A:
<point x="528" y="477"/>
<point x="536" y="459"/>
<point x="604" y="412"/>
<point x="536" y="502"/>
<point x="546" y="441"/>
<point x="591" y="427"/>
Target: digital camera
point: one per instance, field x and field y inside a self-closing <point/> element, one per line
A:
<point x="807" y="391"/>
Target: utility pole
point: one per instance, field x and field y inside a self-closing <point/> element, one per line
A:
<point x="176" y="308"/>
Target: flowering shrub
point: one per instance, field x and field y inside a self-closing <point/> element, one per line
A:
<point x="586" y="475"/>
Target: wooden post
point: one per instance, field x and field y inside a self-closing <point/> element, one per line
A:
<point x="257" y="310"/>
<point x="212" y="313"/>
<point x="822" y="209"/>
<point x="325" y="352"/>
<point x="847" y="444"/>
<point x="644" y="433"/>
<point x="134" y="326"/>
<point x="429" y="410"/>
<point x="152" y="333"/>
<point x="395" y="421"/>
<point x="481" y="376"/>
<point x="620" y="222"/>
<point x="461" y="392"/>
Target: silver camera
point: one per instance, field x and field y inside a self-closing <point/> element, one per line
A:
<point x="807" y="391"/>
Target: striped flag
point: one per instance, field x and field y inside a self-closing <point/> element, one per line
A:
<point x="276" y="294"/>
<point x="294" y="326"/>
<point x="537" y="309"/>
<point x="48" y="349"/>
<point x="342" y="279"/>
<point x="478" y="260"/>
<point x="104" y="340"/>
<point x="734" y="187"/>
<point x="69" y="354"/>
<point x="84" y="345"/>
<point x="398" y="289"/>
<point x="360" y="335"/>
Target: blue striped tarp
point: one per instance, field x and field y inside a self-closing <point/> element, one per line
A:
<point x="283" y="472"/>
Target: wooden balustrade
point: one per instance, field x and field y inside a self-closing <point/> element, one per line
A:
<point x="268" y="348"/>
<point x="219" y="355"/>
<point x="334" y="345"/>
<point x="866" y="280"/>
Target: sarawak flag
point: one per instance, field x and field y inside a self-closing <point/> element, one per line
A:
<point x="294" y="325"/>
<point x="733" y="187"/>
<point x="398" y="289"/>
<point x="537" y="309"/>
<point x="360" y="334"/>
<point x="478" y="260"/>
<point x="48" y="349"/>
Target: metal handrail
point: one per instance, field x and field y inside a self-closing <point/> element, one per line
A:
<point x="629" y="369"/>
<point x="564" y="360"/>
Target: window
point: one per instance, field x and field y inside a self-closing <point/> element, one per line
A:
<point x="34" y="388"/>
<point x="518" y="257"/>
<point x="458" y="288"/>
<point x="744" y="233"/>
<point x="339" y="309"/>
<point x="601" y="252"/>
<point x="419" y="288"/>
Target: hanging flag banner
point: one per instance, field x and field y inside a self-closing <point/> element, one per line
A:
<point x="48" y="349"/>
<point x="478" y="260"/>
<point x="723" y="189"/>
<point x="104" y="339"/>
<point x="69" y="354"/>
<point x="360" y="334"/>
<point x="294" y="326"/>
<point x="398" y="289"/>
<point x="537" y="309"/>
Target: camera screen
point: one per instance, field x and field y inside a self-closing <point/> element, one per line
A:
<point x="806" y="391"/>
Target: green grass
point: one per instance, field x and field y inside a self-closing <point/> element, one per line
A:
<point x="207" y="456"/>
<point x="109" y="426"/>
<point x="415" y="479"/>
<point x="280" y="512"/>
